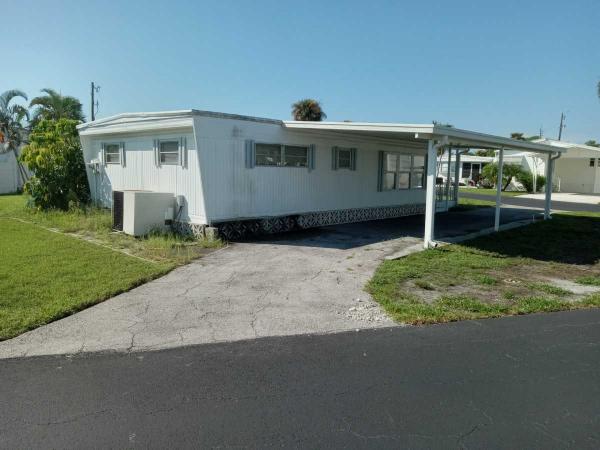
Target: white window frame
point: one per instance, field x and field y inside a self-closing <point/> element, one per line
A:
<point x="177" y="152"/>
<point x="398" y="171"/>
<point x="282" y="155"/>
<point x="107" y="153"/>
<point x="120" y="153"/>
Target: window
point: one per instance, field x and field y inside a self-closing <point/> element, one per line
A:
<point x="343" y="158"/>
<point x="405" y="163"/>
<point x="168" y="152"/>
<point x="268" y="155"/>
<point x="417" y="178"/>
<point x="403" y="171"/>
<point x="281" y="155"/>
<point x="592" y="161"/>
<point x="389" y="171"/>
<point x="294" y="156"/>
<point x="112" y="154"/>
<point x="466" y="170"/>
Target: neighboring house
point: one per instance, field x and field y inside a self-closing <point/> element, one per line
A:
<point x="578" y="169"/>
<point x="10" y="177"/>
<point x="247" y="175"/>
<point x="471" y="166"/>
<point x="469" y="170"/>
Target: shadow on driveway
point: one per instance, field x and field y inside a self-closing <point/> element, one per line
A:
<point x="353" y="235"/>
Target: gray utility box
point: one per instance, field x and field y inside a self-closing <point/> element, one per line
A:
<point x="143" y="211"/>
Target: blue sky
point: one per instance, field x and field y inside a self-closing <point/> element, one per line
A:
<point x="491" y="66"/>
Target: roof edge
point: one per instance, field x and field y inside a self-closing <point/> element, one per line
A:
<point x="177" y="114"/>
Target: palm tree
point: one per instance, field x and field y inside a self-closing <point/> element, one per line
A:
<point x="308" y="110"/>
<point x="12" y="130"/>
<point x="54" y="106"/>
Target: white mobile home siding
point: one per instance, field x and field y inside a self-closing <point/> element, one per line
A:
<point x="9" y="175"/>
<point x="141" y="173"/>
<point x="576" y="175"/>
<point x="233" y="191"/>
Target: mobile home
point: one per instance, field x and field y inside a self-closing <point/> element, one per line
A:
<point x="246" y="175"/>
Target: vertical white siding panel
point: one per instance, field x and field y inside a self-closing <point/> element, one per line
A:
<point x="141" y="173"/>
<point x="234" y="191"/>
<point x="9" y="175"/>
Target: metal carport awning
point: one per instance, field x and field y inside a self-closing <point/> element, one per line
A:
<point x="439" y="137"/>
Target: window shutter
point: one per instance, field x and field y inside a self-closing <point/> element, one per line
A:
<point x="311" y="157"/>
<point x="103" y="155"/>
<point x="380" y="173"/>
<point x="122" y="153"/>
<point x="250" y="153"/>
<point x="183" y="152"/>
<point x="156" y="155"/>
<point x="352" y="159"/>
<point x="334" y="158"/>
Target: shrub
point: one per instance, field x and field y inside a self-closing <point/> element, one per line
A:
<point x="526" y="179"/>
<point x="509" y="171"/>
<point x="55" y="157"/>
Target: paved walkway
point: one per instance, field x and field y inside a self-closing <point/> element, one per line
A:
<point x="309" y="282"/>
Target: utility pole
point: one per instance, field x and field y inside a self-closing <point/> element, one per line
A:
<point x="562" y="125"/>
<point x="94" y="105"/>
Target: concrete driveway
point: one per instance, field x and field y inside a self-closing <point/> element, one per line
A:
<point x="560" y="201"/>
<point x="309" y="282"/>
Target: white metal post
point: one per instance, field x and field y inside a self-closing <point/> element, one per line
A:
<point x="448" y="179"/>
<point x="549" y="171"/>
<point x="430" y="194"/>
<point x="456" y="175"/>
<point x="499" y="189"/>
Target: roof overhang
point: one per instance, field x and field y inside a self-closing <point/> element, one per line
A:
<point x="456" y="138"/>
<point x="152" y="121"/>
<point x="573" y="149"/>
<point x="138" y="122"/>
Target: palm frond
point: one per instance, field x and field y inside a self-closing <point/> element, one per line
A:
<point x="7" y="96"/>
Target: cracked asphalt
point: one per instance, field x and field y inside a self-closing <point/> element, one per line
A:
<point x="517" y="382"/>
<point x="308" y="282"/>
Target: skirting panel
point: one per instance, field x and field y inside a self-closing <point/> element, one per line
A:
<point x="189" y="229"/>
<point x="239" y="229"/>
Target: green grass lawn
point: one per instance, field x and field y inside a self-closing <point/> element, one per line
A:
<point x="519" y="271"/>
<point x="47" y="275"/>
<point x="491" y="192"/>
<point x="94" y="224"/>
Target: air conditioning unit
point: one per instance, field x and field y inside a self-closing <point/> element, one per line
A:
<point x="138" y="212"/>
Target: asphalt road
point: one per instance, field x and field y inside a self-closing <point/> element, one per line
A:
<point x="533" y="202"/>
<point x="521" y="382"/>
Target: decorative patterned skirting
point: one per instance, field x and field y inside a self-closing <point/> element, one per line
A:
<point x="189" y="229"/>
<point x="239" y="229"/>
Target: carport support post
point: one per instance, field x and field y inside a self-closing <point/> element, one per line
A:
<point x="456" y="175"/>
<point x="499" y="189"/>
<point x="430" y="194"/>
<point x="448" y="185"/>
<point x="549" y="170"/>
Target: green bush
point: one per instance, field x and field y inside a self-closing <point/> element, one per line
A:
<point x="526" y="179"/>
<point x="509" y="171"/>
<point x="55" y="157"/>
